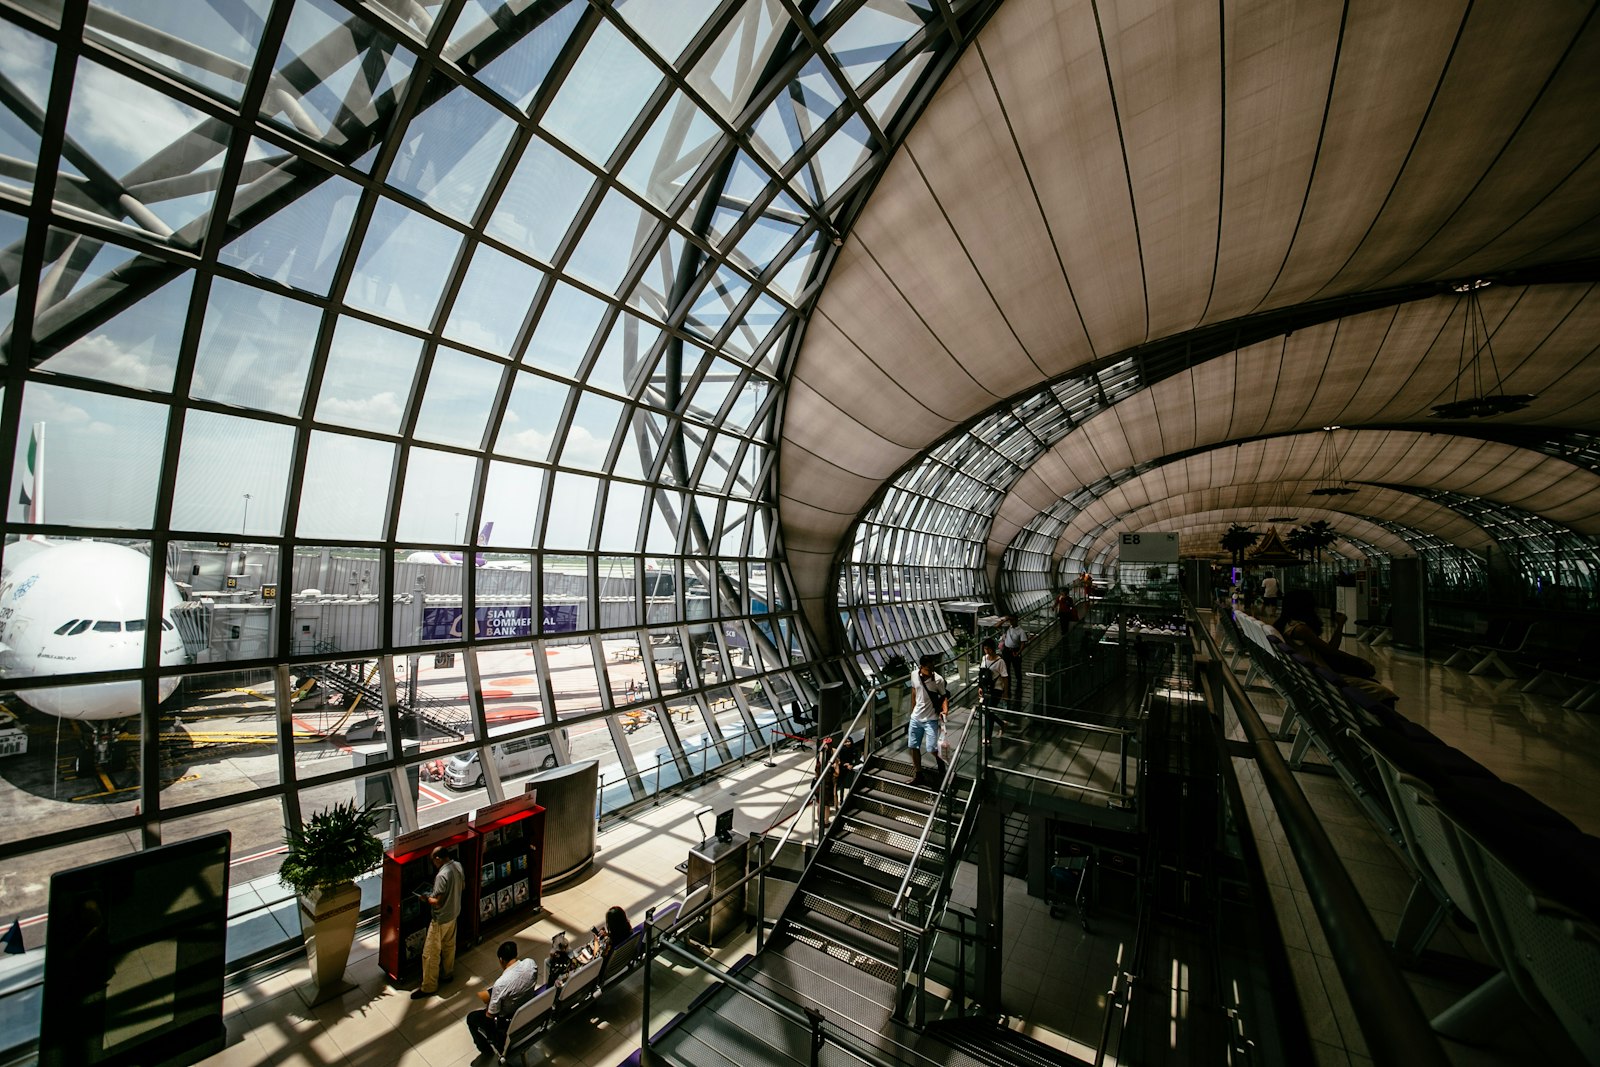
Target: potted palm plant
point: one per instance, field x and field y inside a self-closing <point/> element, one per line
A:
<point x="326" y="854"/>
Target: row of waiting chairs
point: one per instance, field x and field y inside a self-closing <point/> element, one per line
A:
<point x="1521" y="872"/>
<point x="552" y="1003"/>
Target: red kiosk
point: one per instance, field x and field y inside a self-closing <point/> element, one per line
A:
<point x="501" y="849"/>
<point x="505" y="885"/>
<point x="403" y="916"/>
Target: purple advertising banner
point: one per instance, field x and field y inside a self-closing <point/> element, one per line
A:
<point x="560" y="618"/>
<point x="444" y="624"/>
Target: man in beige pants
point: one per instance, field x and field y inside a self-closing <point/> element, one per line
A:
<point x="441" y="943"/>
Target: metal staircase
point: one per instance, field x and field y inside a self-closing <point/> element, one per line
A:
<point x="357" y="679"/>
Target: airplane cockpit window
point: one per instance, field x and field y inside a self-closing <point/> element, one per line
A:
<point x="108" y="627"/>
<point x="64" y="627"/>
<point x="82" y="626"/>
<point x="134" y="626"/>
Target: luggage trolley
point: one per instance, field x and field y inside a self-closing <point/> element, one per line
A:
<point x="1069" y="882"/>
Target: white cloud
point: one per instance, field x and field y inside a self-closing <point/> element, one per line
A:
<point x="383" y="410"/>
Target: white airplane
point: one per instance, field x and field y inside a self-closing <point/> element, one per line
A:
<point x="77" y="607"/>
<point x="453" y="559"/>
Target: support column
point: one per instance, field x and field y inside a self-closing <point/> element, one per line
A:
<point x="990" y="842"/>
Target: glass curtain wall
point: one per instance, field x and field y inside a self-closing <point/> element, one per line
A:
<point x="389" y="395"/>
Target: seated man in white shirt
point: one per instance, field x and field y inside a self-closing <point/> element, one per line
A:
<point x="517" y="980"/>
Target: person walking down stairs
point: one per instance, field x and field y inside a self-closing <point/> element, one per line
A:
<point x="928" y="711"/>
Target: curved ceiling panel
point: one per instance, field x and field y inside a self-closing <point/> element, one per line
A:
<point x="1092" y="177"/>
<point x="1211" y="524"/>
<point x="1143" y="502"/>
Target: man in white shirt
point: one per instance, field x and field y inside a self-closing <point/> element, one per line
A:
<point x="1011" y="641"/>
<point x="518" y="977"/>
<point x="930" y="704"/>
<point x="1270" y="591"/>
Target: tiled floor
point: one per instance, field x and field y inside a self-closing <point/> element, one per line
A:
<point x="270" y="1021"/>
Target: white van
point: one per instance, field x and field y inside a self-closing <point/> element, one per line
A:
<point x="521" y="755"/>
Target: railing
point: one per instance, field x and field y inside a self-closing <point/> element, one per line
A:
<point x="822" y="1032"/>
<point x="1051" y="728"/>
<point x="1391" y="1021"/>
<point x="916" y="914"/>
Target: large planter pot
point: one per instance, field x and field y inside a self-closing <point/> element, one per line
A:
<point x="328" y="922"/>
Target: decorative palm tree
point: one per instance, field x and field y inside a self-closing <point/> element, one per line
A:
<point x="1318" y="536"/>
<point x="1296" y="541"/>
<point x="1237" y="539"/>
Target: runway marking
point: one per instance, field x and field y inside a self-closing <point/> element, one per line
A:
<point x="435" y="798"/>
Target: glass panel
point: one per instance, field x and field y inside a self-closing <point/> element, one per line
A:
<point x="432" y="699"/>
<point x="624" y="503"/>
<point x="338" y="76"/>
<point x="612" y="240"/>
<point x="571" y="522"/>
<point x="732" y="68"/>
<point x="71" y="780"/>
<point x="219" y="736"/>
<point x="137" y="347"/>
<point x="511" y="501"/>
<point x="531" y="415"/>
<point x="566" y="329"/>
<point x="344" y="494"/>
<point x="460" y="392"/>
<point x="255" y="349"/>
<point x="623" y="363"/>
<point x="511" y="697"/>
<point x="403" y="265"/>
<point x="493" y="301"/>
<point x="450" y="151"/>
<point x="29" y="60"/>
<point x="539" y="201"/>
<point x="300" y="242"/>
<point x="26" y="897"/>
<point x="338" y="716"/>
<point x="517" y="73"/>
<point x="602" y="94"/>
<point x="438" y="485"/>
<point x="103" y="454"/>
<point x="211" y="44"/>
<point x="665" y="29"/>
<point x="671" y="151"/>
<point x="619" y="598"/>
<point x="367" y="383"/>
<point x="567" y="595"/>
<point x="232" y="475"/>
<point x="574" y="680"/>
<point x="263" y="913"/>
<point x="646" y="739"/>
<point x="373" y="791"/>
<point x="114" y="126"/>
<point x="626" y="674"/>
<point x="588" y="437"/>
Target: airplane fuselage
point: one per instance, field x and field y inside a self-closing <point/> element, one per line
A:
<point x="79" y="607"/>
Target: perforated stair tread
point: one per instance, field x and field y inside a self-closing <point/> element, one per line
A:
<point x="734" y="1031"/>
<point x="854" y="867"/>
<point x="856" y="1002"/>
<point x="855" y="898"/>
<point x="848" y="937"/>
<point x="897" y="858"/>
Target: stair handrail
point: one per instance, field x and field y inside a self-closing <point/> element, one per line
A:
<point x="822" y="1030"/>
<point x="954" y="846"/>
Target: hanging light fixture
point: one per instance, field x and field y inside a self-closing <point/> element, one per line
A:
<point x="1475" y="352"/>
<point x="1332" y="483"/>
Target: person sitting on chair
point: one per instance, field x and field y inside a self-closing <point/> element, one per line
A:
<point x="518" y="977"/>
<point x="616" y="930"/>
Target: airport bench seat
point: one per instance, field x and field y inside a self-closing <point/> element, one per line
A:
<point x="1537" y="878"/>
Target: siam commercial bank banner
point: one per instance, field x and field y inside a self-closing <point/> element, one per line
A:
<point x="444" y="624"/>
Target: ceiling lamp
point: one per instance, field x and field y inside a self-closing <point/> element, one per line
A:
<point x="1332" y="483"/>
<point x="1475" y="352"/>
